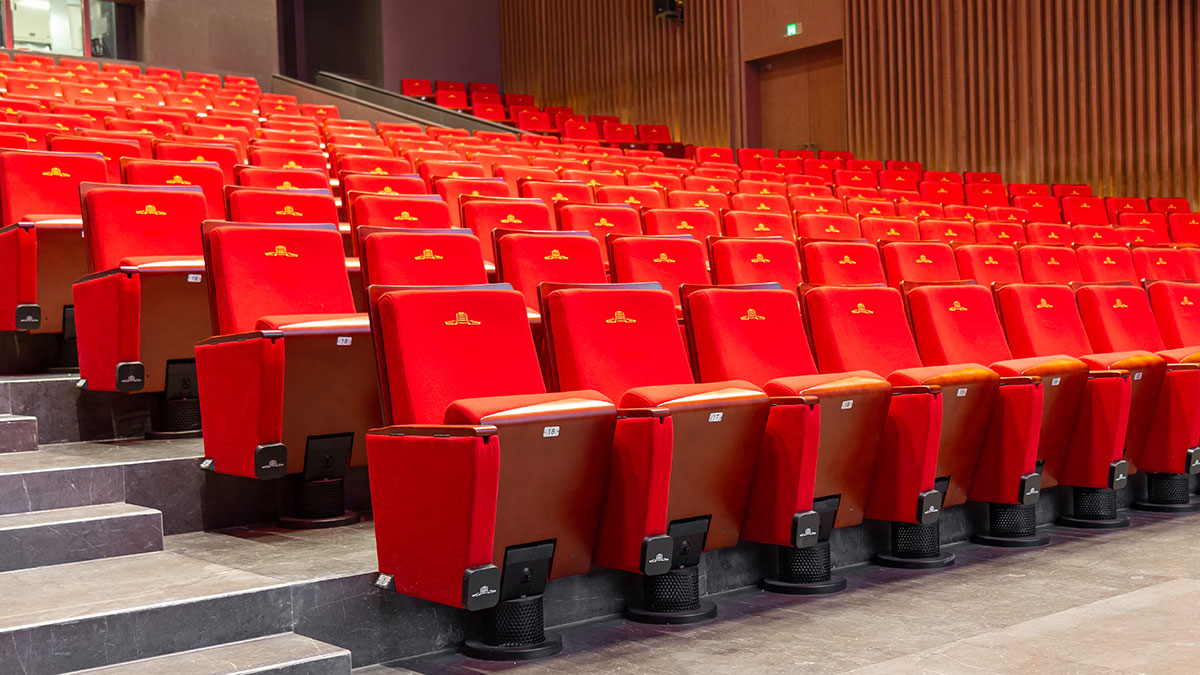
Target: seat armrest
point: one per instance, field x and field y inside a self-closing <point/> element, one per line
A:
<point x="1182" y="366"/>
<point x="431" y="430"/>
<point x="905" y="390"/>
<point x="1100" y="374"/>
<point x="797" y="400"/>
<point x="1020" y="379"/>
<point x="242" y="337"/>
<point x="623" y="413"/>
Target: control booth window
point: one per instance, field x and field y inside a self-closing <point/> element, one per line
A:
<point x="48" y="25"/>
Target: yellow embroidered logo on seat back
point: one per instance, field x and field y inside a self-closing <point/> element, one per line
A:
<point x="281" y="252"/>
<point x="461" y="319"/>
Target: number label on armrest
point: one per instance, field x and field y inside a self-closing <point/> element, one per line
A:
<point x="345" y="341"/>
<point x="550" y="432"/>
<point x="962" y="391"/>
<point x="193" y="278"/>
<point x="846" y="405"/>
<point x="1054" y="381"/>
<point x="715" y="417"/>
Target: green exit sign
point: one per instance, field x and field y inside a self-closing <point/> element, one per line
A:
<point x="792" y="29"/>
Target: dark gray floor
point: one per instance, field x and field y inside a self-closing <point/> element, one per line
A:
<point x="1113" y="602"/>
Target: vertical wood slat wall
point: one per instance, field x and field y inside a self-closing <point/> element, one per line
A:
<point x="1043" y="91"/>
<point x="612" y="57"/>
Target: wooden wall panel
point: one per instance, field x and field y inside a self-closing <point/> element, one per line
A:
<point x="1092" y="91"/>
<point x="612" y="57"/>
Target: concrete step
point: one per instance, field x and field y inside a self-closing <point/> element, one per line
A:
<point x="94" y="613"/>
<point x="67" y="413"/>
<point x="286" y="654"/>
<point x="56" y="536"/>
<point x="18" y="433"/>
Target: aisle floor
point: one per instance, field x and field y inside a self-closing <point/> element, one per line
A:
<point x="1107" y="602"/>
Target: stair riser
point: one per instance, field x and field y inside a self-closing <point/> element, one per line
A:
<point x="63" y="542"/>
<point x="66" y="413"/>
<point x="111" y="639"/>
<point x="18" y="433"/>
<point x="57" y="489"/>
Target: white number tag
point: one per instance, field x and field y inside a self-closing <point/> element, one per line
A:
<point x="715" y="417"/>
<point x="549" y="432"/>
<point x="846" y="405"/>
<point x="194" y="278"/>
<point x="345" y="341"/>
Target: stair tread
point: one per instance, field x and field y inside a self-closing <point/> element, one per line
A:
<point x="81" y="455"/>
<point x="72" y="514"/>
<point x="235" y="657"/>
<point x="67" y="592"/>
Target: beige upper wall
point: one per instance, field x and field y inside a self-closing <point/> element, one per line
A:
<point x="223" y="36"/>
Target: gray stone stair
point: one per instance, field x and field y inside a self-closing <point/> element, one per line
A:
<point x="56" y="536"/>
<point x="285" y="654"/>
<point x="62" y="618"/>
<point x="18" y="433"/>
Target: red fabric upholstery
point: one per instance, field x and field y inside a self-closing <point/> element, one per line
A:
<point x="751" y="224"/>
<point x="1041" y="209"/>
<point x="525" y="260"/>
<point x="889" y="229"/>
<point x="699" y="223"/>
<point x="1049" y="234"/>
<point x="818" y="205"/>
<point x="282" y="179"/>
<point x="941" y="193"/>
<point x="918" y="210"/>
<point x="205" y="175"/>
<point x="821" y="226"/>
<point x="1106" y="264"/>
<point x="400" y="212"/>
<point x="949" y="231"/>
<point x="1162" y="264"/>
<point x="860" y="328"/>
<point x="985" y="194"/>
<point x="992" y="232"/>
<point x="250" y="205"/>
<point x="918" y="261"/>
<point x="988" y="264"/>
<point x="1084" y="211"/>
<point x="1049" y="264"/>
<point x="262" y="271"/>
<point x="757" y="260"/>
<point x="841" y="263"/>
<point x="670" y="261"/>
<point x="1176" y="312"/>
<point x="410" y="258"/>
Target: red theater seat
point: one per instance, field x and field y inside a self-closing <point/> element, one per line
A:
<point x="757" y="335"/>
<point x="288" y="385"/>
<point x="751" y="224"/>
<point x="41" y="251"/>
<point x="1078" y="210"/>
<point x="929" y="461"/>
<point x="889" y="229"/>
<point x="1049" y="264"/>
<point x="1106" y="264"/>
<point x="395" y="257"/>
<point x="959" y="322"/>
<point x="143" y="307"/>
<point x="1119" y="319"/>
<point x="526" y="259"/>
<point x="918" y="262"/>
<point x="512" y="509"/>
<point x="988" y="264"/>
<point x="820" y="226"/>
<point x="205" y="175"/>
<point x="842" y="263"/>
<point x="600" y="220"/>
<point x="671" y="261"/>
<point x="756" y="260"/>
<point x="1043" y="320"/>
<point x="697" y="223"/>
<point x="689" y="454"/>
